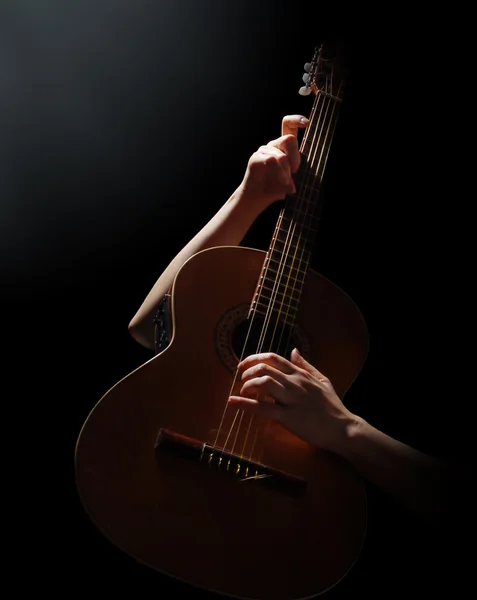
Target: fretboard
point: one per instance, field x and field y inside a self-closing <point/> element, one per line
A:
<point x="279" y="289"/>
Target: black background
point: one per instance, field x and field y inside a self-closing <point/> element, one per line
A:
<point x="125" y="126"/>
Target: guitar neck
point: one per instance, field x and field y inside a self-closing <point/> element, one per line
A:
<point x="288" y="258"/>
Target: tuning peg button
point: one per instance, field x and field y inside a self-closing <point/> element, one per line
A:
<point x="307" y="67"/>
<point x="304" y="91"/>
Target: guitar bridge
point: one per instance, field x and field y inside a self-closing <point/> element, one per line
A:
<point x="227" y="463"/>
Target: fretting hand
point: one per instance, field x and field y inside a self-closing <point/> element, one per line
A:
<point x="269" y="174"/>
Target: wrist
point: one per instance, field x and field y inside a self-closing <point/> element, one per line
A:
<point x="254" y="201"/>
<point x="351" y="428"/>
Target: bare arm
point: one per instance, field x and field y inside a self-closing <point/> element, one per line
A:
<point x="268" y="178"/>
<point x="419" y="482"/>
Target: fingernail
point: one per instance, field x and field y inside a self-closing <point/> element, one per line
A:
<point x="304" y="121"/>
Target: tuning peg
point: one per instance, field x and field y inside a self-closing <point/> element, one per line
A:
<point x="304" y="91"/>
<point x="306" y="78"/>
<point x="307" y="67"/>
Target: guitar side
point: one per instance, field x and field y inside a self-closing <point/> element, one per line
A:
<point x="218" y="532"/>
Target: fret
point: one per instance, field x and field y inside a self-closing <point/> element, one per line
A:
<point x="307" y="169"/>
<point x="301" y="239"/>
<point x="303" y="204"/>
<point x="318" y="164"/>
<point x="275" y="315"/>
<point x="315" y="159"/>
<point x="307" y="172"/>
<point x="292" y="224"/>
<point x="276" y="267"/>
<point x="277" y="289"/>
<point x="321" y="142"/>
<point x="297" y="237"/>
<point x="292" y="257"/>
<point x="265" y="294"/>
<point x="283" y="306"/>
<point x="296" y="229"/>
<point x="307" y="187"/>
<point x="288" y="247"/>
<point x="295" y="219"/>
<point x="321" y="147"/>
<point x="286" y="279"/>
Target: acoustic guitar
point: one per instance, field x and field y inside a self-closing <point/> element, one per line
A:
<point x="200" y="491"/>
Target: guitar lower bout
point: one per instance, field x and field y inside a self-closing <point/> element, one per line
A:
<point x="207" y="496"/>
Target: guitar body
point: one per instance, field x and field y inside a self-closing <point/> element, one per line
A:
<point x="216" y="531"/>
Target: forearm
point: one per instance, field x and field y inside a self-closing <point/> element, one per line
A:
<point x="226" y="228"/>
<point x="417" y="481"/>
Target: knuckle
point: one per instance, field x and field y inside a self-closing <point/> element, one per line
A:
<point x="289" y="138"/>
<point x="269" y="160"/>
<point x="254" y="159"/>
<point x="257" y="156"/>
<point x="282" y="159"/>
<point x="262" y="369"/>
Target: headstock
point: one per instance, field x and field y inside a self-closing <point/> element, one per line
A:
<point x="325" y="73"/>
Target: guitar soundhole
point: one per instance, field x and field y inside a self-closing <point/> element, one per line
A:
<point x="237" y="336"/>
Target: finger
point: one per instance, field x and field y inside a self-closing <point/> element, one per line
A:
<point x="261" y="369"/>
<point x="267" y="410"/>
<point x="298" y="360"/>
<point x="270" y="358"/>
<point x="276" y="158"/>
<point x="265" y="386"/>
<point x="292" y="123"/>
<point x="289" y="146"/>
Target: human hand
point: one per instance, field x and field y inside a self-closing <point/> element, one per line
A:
<point x="305" y="401"/>
<point x="269" y="174"/>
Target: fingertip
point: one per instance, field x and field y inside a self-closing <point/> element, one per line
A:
<point x="291" y="124"/>
<point x="235" y="400"/>
<point x="242" y="402"/>
<point x="296" y="354"/>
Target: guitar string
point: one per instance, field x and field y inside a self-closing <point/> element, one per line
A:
<point x="291" y="236"/>
<point x="260" y="291"/>
<point x="315" y="170"/>
<point x="252" y="316"/>
<point x="292" y="243"/>
<point x="293" y="224"/>
<point x="261" y="344"/>
<point x="245" y="345"/>
<point x="275" y="290"/>
<point x="271" y="302"/>
<point x="324" y="148"/>
<point x="284" y="255"/>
